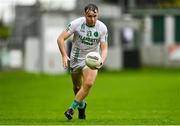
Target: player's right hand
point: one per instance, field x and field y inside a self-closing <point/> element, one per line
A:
<point x="65" y="61"/>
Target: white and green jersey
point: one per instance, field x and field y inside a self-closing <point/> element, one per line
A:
<point x="86" y="39"/>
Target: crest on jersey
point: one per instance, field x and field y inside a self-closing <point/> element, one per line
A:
<point x="96" y="34"/>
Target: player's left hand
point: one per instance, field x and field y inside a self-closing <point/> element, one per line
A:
<point x="98" y="67"/>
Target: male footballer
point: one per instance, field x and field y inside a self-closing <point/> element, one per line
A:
<point x="89" y="34"/>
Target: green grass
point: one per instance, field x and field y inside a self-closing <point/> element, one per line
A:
<point x="147" y="96"/>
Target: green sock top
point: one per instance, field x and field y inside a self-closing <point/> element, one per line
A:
<point x="74" y="104"/>
<point x="81" y="104"/>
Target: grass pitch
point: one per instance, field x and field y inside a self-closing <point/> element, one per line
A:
<point x="146" y="97"/>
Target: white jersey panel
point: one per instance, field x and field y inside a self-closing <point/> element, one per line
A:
<point x="85" y="39"/>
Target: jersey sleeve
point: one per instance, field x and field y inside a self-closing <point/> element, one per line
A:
<point x="70" y="28"/>
<point x="104" y="35"/>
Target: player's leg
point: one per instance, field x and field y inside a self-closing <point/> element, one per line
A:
<point x="89" y="77"/>
<point x="77" y="81"/>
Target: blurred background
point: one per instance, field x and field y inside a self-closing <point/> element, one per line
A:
<point x="141" y="33"/>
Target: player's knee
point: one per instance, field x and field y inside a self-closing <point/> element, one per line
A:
<point x="89" y="84"/>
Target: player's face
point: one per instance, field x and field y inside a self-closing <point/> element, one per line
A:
<point x="91" y="17"/>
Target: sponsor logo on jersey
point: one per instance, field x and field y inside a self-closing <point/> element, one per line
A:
<point x="88" y="40"/>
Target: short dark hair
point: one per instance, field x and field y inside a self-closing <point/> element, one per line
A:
<point x="91" y="7"/>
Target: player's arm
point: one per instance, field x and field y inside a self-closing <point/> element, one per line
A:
<point x="104" y="51"/>
<point x="104" y="44"/>
<point x="61" y="44"/>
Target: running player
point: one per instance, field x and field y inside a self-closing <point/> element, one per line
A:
<point x="90" y="34"/>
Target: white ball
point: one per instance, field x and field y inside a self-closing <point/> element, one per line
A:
<point x="93" y="60"/>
